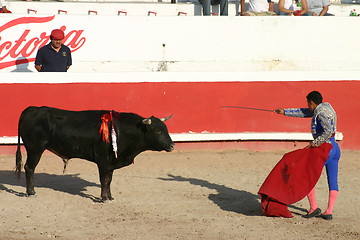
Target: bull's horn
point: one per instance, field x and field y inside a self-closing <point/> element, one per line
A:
<point x="146" y="121"/>
<point x="167" y="118"/>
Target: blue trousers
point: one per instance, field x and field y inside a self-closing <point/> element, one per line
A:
<point x="332" y="166"/>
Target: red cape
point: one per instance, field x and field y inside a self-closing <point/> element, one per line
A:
<point x="293" y="177"/>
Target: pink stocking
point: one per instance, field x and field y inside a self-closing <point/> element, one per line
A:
<point x="332" y="199"/>
<point x="312" y="200"/>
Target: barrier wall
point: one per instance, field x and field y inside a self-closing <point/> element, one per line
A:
<point x="188" y="66"/>
<point x="195" y="99"/>
<point x="114" y="44"/>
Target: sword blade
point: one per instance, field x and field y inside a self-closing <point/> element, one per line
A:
<point x="249" y="108"/>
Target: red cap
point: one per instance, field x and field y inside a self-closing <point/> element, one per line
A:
<point x="57" y="34"/>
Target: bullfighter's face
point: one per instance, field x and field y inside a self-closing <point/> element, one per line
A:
<point x="311" y="105"/>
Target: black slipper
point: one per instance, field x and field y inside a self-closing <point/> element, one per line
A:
<point x="315" y="213"/>
<point x="325" y="216"/>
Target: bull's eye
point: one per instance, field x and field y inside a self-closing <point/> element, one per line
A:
<point x="158" y="131"/>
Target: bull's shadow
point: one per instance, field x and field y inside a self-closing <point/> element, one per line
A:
<point x="67" y="183"/>
<point x="226" y="198"/>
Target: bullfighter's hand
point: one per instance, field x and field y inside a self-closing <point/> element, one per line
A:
<point x="311" y="145"/>
<point x="280" y="111"/>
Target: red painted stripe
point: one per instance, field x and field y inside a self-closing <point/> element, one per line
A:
<point x="195" y="105"/>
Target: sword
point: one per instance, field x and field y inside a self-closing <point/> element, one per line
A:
<point x="257" y="109"/>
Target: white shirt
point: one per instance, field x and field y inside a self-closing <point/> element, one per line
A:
<point x="258" y="6"/>
<point x="289" y="4"/>
<point x="317" y="6"/>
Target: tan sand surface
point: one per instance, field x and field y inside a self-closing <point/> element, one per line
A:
<point x="185" y="194"/>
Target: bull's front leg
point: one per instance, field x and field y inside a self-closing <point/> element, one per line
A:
<point x="105" y="180"/>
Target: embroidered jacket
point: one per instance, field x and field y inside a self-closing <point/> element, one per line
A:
<point x="323" y="124"/>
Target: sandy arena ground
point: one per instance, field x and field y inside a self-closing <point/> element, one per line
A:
<point x="179" y="195"/>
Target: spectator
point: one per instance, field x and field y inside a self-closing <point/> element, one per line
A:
<point x="3" y="7"/>
<point x="54" y="57"/>
<point x="258" y="8"/>
<point x="207" y="3"/>
<point x="287" y="8"/>
<point x="319" y="7"/>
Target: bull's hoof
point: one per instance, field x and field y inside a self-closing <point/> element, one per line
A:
<point x="30" y="192"/>
<point x="31" y="195"/>
<point x="107" y="201"/>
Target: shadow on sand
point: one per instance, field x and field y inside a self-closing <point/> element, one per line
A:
<point x="230" y="199"/>
<point x="68" y="183"/>
<point x="226" y="198"/>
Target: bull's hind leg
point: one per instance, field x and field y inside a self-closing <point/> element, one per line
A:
<point x="105" y="180"/>
<point x="32" y="161"/>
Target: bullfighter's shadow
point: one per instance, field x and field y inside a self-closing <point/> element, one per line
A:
<point x="68" y="183"/>
<point x="226" y="198"/>
<point x="230" y="199"/>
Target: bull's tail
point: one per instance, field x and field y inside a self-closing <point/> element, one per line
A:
<point x="18" y="156"/>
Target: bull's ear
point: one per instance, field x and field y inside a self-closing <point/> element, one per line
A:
<point x="146" y="121"/>
<point x="167" y="118"/>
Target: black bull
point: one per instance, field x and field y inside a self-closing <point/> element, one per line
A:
<point x="75" y="134"/>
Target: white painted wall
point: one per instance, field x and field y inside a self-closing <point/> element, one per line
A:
<point x="177" y="77"/>
<point x="115" y="44"/>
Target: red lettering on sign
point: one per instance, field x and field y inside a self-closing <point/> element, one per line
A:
<point x="25" y="46"/>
